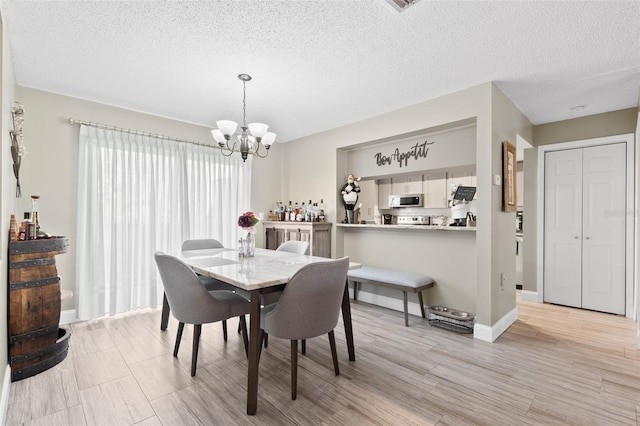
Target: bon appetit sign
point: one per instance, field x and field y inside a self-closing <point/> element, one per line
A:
<point x="402" y="158"/>
<point x="441" y="150"/>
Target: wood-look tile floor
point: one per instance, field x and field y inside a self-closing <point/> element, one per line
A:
<point x="555" y="365"/>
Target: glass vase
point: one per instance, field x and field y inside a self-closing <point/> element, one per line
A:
<point x="249" y="245"/>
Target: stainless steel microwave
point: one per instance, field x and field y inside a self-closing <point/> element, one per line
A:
<point x="405" y="200"/>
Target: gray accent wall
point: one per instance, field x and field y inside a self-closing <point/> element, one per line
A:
<point x="589" y="127"/>
<point x="593" y="126"/>
<point x="323" y="159"/>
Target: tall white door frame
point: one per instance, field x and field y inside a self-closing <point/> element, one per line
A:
<point x="631" y="285"/>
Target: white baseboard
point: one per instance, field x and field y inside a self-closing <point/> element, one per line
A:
<point x="4" y="396"/>
<point x="529" y="296"/>
<point x="68" y="316"/>
<point x="480" y="332"/>
<point x="491" y="333"/>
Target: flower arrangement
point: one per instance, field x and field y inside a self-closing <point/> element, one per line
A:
<point x="248" y="221"/>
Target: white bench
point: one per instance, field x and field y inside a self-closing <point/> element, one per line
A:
<point x="392" y="278"/>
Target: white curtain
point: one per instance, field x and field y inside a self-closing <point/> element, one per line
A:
<point x="140" y="194"/>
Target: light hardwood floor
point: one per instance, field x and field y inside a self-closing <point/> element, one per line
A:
<point x="555" y="365"/>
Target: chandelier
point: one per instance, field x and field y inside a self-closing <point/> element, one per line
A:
<point x="243" y="142"/>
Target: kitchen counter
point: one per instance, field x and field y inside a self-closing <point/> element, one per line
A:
<point x="412" y="227"/>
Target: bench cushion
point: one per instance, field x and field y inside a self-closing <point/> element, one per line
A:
<point x="390" y="276"/>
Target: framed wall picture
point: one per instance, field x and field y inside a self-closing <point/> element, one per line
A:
<point x="509" y="166"/>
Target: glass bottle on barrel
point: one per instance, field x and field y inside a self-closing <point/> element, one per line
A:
<point x="35" y="217"/>
<point x="35" y="207"/>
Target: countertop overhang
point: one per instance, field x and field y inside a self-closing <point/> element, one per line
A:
<point x="412" y="227"/>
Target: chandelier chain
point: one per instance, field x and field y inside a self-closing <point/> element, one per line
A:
<point x="244" y="104"/>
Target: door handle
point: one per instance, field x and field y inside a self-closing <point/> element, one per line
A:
<point x="588" y="238"/>
<point x="576" y="238"/>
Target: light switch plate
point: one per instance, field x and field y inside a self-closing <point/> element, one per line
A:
<point x="497" y="180"/>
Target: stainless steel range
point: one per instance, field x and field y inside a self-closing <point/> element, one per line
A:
<point x="413" y="220"/>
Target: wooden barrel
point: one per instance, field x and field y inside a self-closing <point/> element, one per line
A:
<point x="34" y="306"/>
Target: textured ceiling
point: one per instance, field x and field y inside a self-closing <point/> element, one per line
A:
<point x="317" y="65"/>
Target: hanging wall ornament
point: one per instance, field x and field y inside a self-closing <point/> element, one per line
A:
<point x="17" y="144"/>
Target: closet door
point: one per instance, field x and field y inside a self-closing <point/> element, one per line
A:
<point x="603" y="228"/>
<point x="584" y="247"/>
<point x="563" y="228"/>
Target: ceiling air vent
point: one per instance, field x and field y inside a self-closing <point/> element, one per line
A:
<point x="401" y="5"/>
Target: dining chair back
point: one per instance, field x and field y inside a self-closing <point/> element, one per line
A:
<point x="191" y="303"/>
<point x="208" y="243"/>
<point x="308" y="307"/>
<point x="208" y="282"/>
<point x="293" y="246"/>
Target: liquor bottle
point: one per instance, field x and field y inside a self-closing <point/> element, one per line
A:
<point x="321" y="215"/>
<point x="288" y="212"/>
<point x="300" y="217"/>
<point x="34" y="212"/>
<point x="27" y="228"/>
<point x="307" y="212"/>
<point x="13" y="229"/>
<point x="280" y="211"/>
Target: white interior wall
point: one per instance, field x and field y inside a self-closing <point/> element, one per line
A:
<point x="529" y="227"/>
<point x="7" y="202"/>
<point x="266" y="184"/>
<point x="637" y="235"/>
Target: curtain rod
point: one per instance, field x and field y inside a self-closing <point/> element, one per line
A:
<point x="136" y="132"/>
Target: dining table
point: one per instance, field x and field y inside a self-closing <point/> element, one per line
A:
<point x="265" y="271"/>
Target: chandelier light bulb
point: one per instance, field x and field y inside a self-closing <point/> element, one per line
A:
<point x="258" y="129"/>
<point x="227" y="127"/>
<point x="218" y="136"/>
<point x="268" y="139"/>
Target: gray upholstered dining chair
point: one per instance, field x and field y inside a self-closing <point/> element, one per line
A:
<point x="292" y="246"/>
<point x="201" y="244"/>
<point x="191" y="303"/>
<point x="208" y="282"/>
<point x="309" y="307"/>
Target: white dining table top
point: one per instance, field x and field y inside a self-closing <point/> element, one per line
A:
<point x="266" y="269"/>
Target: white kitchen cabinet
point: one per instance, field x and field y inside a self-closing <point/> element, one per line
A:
<point x="435" y="190"/>
<point x="434" y="185"/>
<point x="406" y="184"/>
<point x="462" y="177"/>
<point x="384" y="190"/>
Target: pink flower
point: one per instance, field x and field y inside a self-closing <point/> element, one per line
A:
<point x="247" y="221"/>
